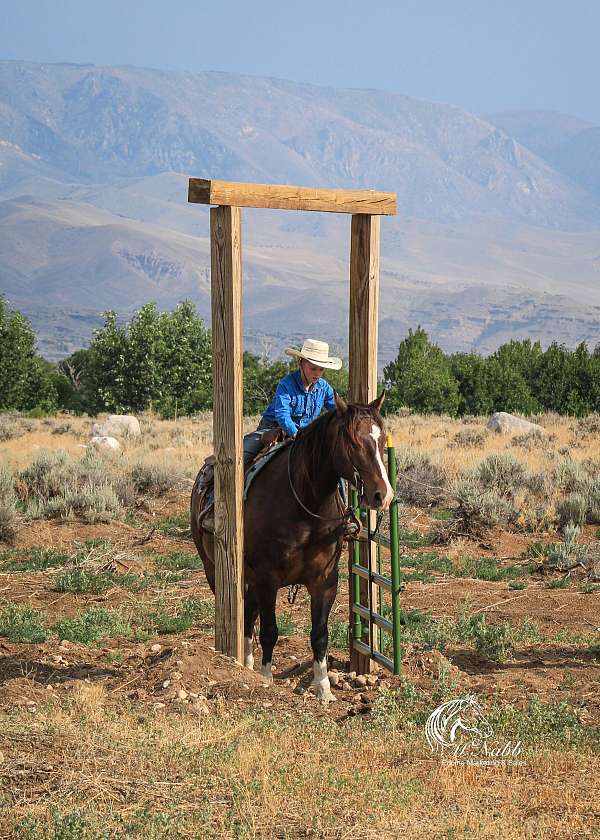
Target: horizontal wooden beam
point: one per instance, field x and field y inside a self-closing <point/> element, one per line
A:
<point x="282" y="197"/>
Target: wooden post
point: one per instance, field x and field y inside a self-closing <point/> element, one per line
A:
<point x="364" y="302"/>
<point x="226" y="294"/>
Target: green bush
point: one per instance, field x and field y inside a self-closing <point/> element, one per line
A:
<point x="501" y="472"/>
<point x="9" y="519"/>
<point x="56" y="486"/>
<point x="93" y="624"/>
<point x="22" y="623"/>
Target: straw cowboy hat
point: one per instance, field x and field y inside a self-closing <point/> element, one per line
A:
<point x="316" y="352"/>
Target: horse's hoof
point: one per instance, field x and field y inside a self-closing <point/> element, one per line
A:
<point x="323" y="693"/>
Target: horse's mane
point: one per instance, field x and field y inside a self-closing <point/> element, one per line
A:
<point x="325" y="434"/>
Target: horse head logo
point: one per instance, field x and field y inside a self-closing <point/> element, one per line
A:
<point x="450" y="720"/>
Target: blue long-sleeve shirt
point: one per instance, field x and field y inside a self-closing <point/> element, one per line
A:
<point x="292" y="407"/>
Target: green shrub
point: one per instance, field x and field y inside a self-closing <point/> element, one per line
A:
<point x="176" y="560"/>
<point x="420" y="481"/>
<point x="153" y="479"/>
<point x="93" y="624"/>
<point x="83" y="580"/>
<point x="572" y="510"/>
<point x="22" y="623"/>
<point x="568" y="553"/>
<point x="479" y="508"/>
<point x="9" y="519"/>
<point x="56" y="486"/>
<point x="501" y="472"/>
<point x="34" y="560"/>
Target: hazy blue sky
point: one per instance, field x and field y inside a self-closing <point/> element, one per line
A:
<point x="483" y="55"/>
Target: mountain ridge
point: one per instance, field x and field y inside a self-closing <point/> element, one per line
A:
<point x="478" y="210"/>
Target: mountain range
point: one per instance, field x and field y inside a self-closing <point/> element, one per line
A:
<point x="497" y="233"/>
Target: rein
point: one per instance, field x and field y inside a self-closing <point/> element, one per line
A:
<point x="301" y="503"/>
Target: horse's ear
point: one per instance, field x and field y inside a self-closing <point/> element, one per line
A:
<point x="378" y="402"/>
<point x="340" y="404"/>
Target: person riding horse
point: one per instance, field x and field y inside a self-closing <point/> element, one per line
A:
<point x="299" y="398"/>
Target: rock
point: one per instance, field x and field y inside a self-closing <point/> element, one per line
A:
<point x="507" y="424"/>
<point x="334" y="678"/>
<point x="166" y="683"/>
<point x="360" y="681"/>
<point x="364" y="698"/>
<point x="105" y="442"/>
<point x="159" y="706"/>
<point x="352" y="675"/>
<point x="156" y="648"/>
<point x="182" y="694"/>
<point x="117" y="425"/>
<point x="372" y="679"/>
<point x="175" y="676"/>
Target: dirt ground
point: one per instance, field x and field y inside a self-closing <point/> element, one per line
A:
<point x="157" y="671"/>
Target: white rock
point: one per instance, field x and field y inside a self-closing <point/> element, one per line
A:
<point x="360" y="681"/>
<point x="117" y="425"/>
<point x="507" y="424"/>
<point x="105" y="442"/>
<point x="182" y="694"/>
<point x="155" y="648"/>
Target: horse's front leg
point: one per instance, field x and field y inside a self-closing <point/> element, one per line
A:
<point x="250" y="614"/>
<point x="269" y="632"/>
<point x="321" y="601"/>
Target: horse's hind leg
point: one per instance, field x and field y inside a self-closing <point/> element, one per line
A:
<point x="269" y="632"/>
<point x="250" y="614"/>
<point x="321" y="601"/>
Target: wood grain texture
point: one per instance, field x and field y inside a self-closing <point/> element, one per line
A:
<point x="284" y="197"/>
<point x="226" y="297"/>
<point x="363" y="335"/>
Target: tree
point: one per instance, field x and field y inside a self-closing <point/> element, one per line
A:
<point x="26" y="379"/>
<point x="420" y="377"/>
<point x="160" y="360"/>
<point x="566" y="381"/>
<point x="471" y="373"/>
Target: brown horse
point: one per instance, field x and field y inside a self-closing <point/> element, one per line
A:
<point x="293" y="526"/>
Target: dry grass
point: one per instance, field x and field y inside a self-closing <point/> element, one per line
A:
<point x="131" y="773"/>
<point x="87" y="765"/>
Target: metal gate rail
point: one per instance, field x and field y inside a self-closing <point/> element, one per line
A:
<point x="367" y="620"/>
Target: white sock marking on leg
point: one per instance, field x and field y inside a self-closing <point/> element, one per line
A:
<point x="248" y="657"/>
<point x="320" y="681"/>
<point x="266" y="671"/>
<point x="376" y="434"/>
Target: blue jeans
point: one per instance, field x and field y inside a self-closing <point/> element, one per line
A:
<point x="253" y="440"/>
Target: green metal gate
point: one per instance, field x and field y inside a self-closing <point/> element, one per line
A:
<point x="368" y="622"/>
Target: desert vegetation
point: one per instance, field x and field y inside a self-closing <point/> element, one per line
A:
<point x="106" y="636"/>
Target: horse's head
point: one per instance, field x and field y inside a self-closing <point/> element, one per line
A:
<point x="359" y="455"/>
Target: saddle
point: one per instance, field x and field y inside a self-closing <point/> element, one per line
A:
<point x="272" y="440"/>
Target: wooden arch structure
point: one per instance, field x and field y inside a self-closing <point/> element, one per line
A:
<point x="365" y="206"/>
